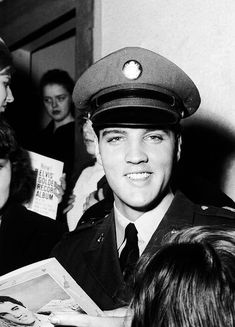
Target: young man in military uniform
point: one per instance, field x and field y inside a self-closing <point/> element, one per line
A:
<point x="137" y="100"/>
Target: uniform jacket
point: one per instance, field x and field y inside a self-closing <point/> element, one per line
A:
<point x="90" y="253"/>
<point x="26" y="237"/>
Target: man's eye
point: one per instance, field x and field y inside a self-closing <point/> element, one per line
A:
<point x="155" y="138"/>
<point x="114" y="139"/>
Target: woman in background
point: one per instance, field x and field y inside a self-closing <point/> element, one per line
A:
<point x="25" y="237"/>
<point x="57" y="140"/>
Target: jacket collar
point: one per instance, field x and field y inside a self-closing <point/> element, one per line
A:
<point x="102" y="254"/>
<point x="179" y="215"/>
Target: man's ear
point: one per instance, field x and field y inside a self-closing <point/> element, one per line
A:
<point x="96" y="140"/>
<point x="179" y="144"/>
<point x="97" y="150"/>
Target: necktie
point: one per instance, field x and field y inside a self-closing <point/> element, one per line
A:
<point x="130" y="252"/>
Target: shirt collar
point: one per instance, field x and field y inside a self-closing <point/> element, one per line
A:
<point x="146" y="224"/>
<point x="121" y="223"/>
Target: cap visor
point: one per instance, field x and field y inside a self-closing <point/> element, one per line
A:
<point x="135" y="117"/>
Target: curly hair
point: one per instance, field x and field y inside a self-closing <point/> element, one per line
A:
<point x="23" y="177"/>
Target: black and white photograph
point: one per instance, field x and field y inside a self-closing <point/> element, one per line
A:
<point x="134" y="100"/>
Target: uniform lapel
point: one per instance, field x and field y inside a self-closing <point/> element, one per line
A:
<point x="102" y="255"/>
<point x="179" y="215"/>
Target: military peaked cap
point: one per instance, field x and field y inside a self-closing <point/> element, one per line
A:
<point x="136" y="87"/>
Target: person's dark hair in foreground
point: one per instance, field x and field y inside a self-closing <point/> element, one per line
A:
<point x="22" y="174"/>
<point x="189" y="284"/>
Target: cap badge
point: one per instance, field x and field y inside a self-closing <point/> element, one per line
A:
<point x="132" y="69"/>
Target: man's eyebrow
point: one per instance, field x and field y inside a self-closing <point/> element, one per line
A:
<point x="164" y="130"/>
<point x="110" y="131"/>
<point x="16" y="307"/>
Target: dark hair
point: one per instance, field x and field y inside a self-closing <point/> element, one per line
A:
<point x="23" y="177"/>
<point x="185" y="285"/>
<point x="214" y="235"/>
<point x="57" y="76"/>
<point x="10" y="299"/>
<point x="5" y="56"/>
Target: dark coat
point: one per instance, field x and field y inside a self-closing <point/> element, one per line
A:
<point x="26" y="237"/>
<point x="59" y="145"/>
<point x="90" y="253"/>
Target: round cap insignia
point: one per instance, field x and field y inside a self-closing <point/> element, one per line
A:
<point x="132" y="69"/>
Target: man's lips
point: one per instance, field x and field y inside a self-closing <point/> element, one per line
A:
<point x="138" y="175"/>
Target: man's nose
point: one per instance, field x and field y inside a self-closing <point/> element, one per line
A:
<point x="136" y="153"/>
<point x="16" y="315"/>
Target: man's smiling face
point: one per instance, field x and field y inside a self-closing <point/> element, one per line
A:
<point x="16" y="313"/>
<point x="138" y="165"/>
